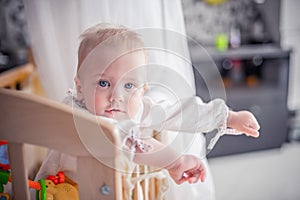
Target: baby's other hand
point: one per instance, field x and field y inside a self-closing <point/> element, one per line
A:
<point x="243" y="121"/>
<point x="187" y="168"/>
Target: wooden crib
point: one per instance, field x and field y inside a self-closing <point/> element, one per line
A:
<point x="34" y="120"/>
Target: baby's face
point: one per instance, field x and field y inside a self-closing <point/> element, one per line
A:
<point x="117" y="91"/>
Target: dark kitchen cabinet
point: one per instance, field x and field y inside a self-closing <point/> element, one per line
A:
<point x="255" y="78"/>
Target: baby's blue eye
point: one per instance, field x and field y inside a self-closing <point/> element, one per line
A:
<point x="129" y="85"/>
<point x="102" y="83"/>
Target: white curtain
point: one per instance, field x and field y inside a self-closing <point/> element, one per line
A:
<point x="54" y="28"/>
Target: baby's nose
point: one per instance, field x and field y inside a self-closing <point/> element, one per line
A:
<point x="117" y="96"/>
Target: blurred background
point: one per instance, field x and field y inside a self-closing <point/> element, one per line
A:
<point x="255" y="47"/>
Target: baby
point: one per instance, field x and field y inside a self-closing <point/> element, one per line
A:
<point x="111" y="81"/>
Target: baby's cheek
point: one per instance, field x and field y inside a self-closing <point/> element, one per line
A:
<point x="90" y="106"/>
<point x="93" y="102"/>
<point x="99" y="104"/>
<point x="134" y="104"/>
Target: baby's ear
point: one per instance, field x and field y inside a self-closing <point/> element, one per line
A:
<point x="78" y="88"/>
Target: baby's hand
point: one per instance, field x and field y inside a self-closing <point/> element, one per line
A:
<point x="187" y="168"/>
<point x="243" y="121"/>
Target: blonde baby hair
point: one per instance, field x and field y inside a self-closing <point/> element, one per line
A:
<point x="112" y="33"/>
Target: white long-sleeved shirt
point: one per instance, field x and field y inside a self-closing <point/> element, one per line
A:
<point x="190" y="115"/>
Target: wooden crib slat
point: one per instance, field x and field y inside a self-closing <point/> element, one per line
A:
<point x="18" y="170"/>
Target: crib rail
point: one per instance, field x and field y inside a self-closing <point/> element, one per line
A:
<point x="34" y="120"/>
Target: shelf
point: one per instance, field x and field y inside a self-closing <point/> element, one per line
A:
<point x="243" y="52"/>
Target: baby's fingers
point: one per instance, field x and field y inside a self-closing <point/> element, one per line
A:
<point x="195" y="175"/>
<point x="194" y="178"/>
<point x="251" y="132"/>
<point x="185" y="177"/>
<point x="202" y="177"/>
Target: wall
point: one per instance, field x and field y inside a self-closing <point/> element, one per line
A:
<point x="204" y="21"/>
<point x="13" y="37"/>
<point x="290" y="32"/>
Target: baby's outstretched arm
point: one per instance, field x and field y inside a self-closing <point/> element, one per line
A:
<point x="180" y="167"/>
<point x="243" y="121"/>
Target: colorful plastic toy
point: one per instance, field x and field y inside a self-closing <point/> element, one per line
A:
<point x="4" y="165"/>
<point x="58" y="187"/>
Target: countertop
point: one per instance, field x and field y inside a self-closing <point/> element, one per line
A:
<point x="200" y="54"/>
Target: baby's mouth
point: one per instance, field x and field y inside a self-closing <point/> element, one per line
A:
<point x="114" y="110"/>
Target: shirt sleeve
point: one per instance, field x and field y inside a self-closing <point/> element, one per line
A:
<point x="131" y="141"/>
<point x="190" y="115"/>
